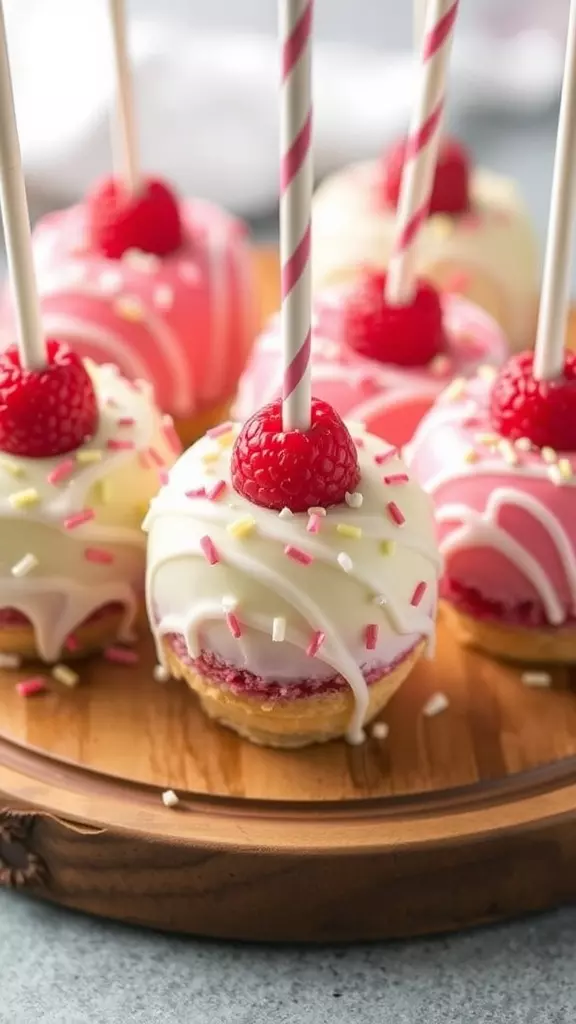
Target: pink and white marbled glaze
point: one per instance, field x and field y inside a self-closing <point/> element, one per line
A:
<point x="389" y="400"/>
<point x="506" y="513"/>
<point x="184" y="322"/>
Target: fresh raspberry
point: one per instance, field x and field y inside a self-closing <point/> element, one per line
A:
<point x="118" y="221"/>
<point x="542" y="410"/>
<point x="45" y="412"/>
<point x="294" y="468"/>
<point x="451" y="189"/>
<point x="402" y="335"/>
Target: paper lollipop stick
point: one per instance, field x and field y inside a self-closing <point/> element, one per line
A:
<point x="418" y="23"/>
<point x="421" y="148"/>
<point x="125" y="112"/>
<point x="554" y="302"/>
<point x="16" y="222"/>
<point x="295" y="25"/>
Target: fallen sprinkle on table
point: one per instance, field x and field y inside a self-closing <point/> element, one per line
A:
<point x="61" y="472"/>
<point x="31" y="687"/>
<point x="537" y="679"/>
<point x="437" y="703"/>
<point x="71" y="643"/>
<point x="380" y="730"/>
<point x="10" y="660"/>
<point x="121" y="656"/>
<point x="169" y="798"/>
<point x="278" y="629"/>
<point x="160" y="674"/>
<point x="24" y="566"/>
<point x="65" y="675"/>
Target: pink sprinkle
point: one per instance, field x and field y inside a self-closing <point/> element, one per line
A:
<point x="31" y="687"/>
<point x="222" y="428"/>
<point x="297" y="555"/>
<point x="418" y="594"/>
<point x="315" y="644"/>
<point x="397" y="478"/>
<point x="61" y="471"/>
<point x="215" y="492"/>
<point x="371" y="637"/>
<point x="358" y="441"/>
<point x="126" y="421"/>
<point x="208" y="550"/>
<point x="197" y="492"/>
<point x="155" y="457"/>
<point x="163" y="477"/>
<point x="72" y="643"/>
<point x="171" y="437"/>
<point x="115" y="445"/>
<point x="71" y="522"/>
<point x="121" y="656"/>
<point x="233" y="625"/>
<point x="384" y="456"/>
<point x="99" y="556"/>
<point x="396" y="515"/>
<point x="314" y="523"/>
<point x="111" y="403"/>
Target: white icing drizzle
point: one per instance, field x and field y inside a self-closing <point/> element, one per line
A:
<point x="257" y="572"/>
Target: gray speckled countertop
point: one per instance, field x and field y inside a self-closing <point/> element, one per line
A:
<point x="61" y="968"/>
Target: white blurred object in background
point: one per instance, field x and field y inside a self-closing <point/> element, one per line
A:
<point x="207" y="102"/>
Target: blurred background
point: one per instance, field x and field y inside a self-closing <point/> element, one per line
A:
<point x="206" y="75"/>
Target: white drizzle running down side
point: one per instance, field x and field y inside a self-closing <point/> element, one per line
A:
<point x="80" y="568"/>
<point x="262" y="585"/>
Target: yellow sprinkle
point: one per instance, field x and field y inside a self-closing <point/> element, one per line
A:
<point x="388" y="547"/>
<point x="66" y="676"/>
<point x="227" y="439"/>
<point x="11" y="467"/>
<point x="548" y="454"/>
<point x="470" y="455"/>
<point x="24" y="499"/>
<point x="89" y="455"/>
<point x="442" y="226"/>
<point x="454" y="390"/>
<point x="347" y="530"/>
<point x="487" y="439"/>
<point x="565" y="469"/>
<point x="210" y="457"/>
<point x="523" y="444"/>
<point x="241" y="527"/>
<point x="129" y="308"/>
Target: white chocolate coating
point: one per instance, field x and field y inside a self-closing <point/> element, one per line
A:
<point x="188" y="596"/>
<point x="495" y="248"/>
<point x="82" y="568"/>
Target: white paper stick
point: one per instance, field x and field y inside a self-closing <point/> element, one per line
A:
<point x="555" y="298"/>
<point x="125" y="111"/>
<point x="16" y="221"/>
<point x="418" y="23"/>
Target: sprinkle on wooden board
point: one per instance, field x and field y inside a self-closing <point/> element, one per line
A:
<point x="72" y="643"/>
<point x="65" y="675"/>
<point x="31" y="687"/>
<point x="9" y="661"/>
<point x="380" y="730"/>
<point x="170" y="799"/>
<point x="209" y="551"/>
<point x="435" y="705"/>
<point x="537" y="680"/>
<point x="160" y="674"/>
<point x="120" y="655"/>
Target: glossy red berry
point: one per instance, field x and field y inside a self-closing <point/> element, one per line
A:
<point x="542" y="410"/>
<point x="118" y="220"/>
<point x="451" y="189"/>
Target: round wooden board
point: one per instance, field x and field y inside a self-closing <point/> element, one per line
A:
<point x="453" y="820"/>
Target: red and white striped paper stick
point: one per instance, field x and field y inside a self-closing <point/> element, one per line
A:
<point x="421" y="148"/>
<point x="295" y="26"/>
<point x="549" y="353"/>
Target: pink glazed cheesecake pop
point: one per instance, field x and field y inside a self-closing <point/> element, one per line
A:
<point x="161" y="286"/>
<point x="498" y="459"/>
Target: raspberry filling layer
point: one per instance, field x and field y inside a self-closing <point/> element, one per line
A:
<point x="529" y="614"/>
<point x="12" y="617"/>
<point x="242" y="682"/>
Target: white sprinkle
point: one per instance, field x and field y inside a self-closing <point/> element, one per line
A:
<point x="354" y="499"/>
<point x="380" y="600"/>
<point x="537" y="679"/>
<point x="110" y="281"/>
<point x="437" y="703"/>
<point x="524" y="444"/>
<point x="555" y="475"/>
<point x="454" y="390"/>
<point x="163" y="297"/>
<point x="169" y="798"/>
<point x="10" y="660"/>
<point x="548" y="454"/>
<point x="316" y="510"/>
<point x="487" y="372"/>
<point x="229" y="603"/>
<point x="65" y="675"/>
<point x="24" y="566"/>
<point x="146" y="262"/>
<point x="380" y="730"/>
<point x="507" y="452"/>
<point x="345" y="562"/>
<point x="160" y="674"/>
<point x="285" y="513"/>
<point x="279" y="629"/>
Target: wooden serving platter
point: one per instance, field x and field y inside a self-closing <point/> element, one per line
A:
<point x="452" y="820"/>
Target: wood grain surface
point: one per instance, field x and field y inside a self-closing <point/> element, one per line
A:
<point x="452" y="820"/>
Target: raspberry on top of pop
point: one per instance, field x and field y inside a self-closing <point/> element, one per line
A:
<point x="296" y="469"/>
<point x="47" y="411"/>
<point x="544" y="411"/>
<point x="451" y="188"/>
<point x="119" y="220"/>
